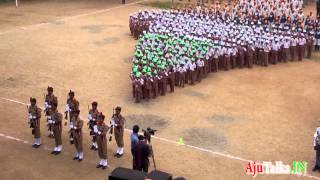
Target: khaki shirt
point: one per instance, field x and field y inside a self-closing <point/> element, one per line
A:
<point x="34" y="114"/>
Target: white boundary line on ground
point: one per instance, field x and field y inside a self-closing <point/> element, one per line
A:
<point x="38" y="25"/>
<point x="155" y="137"/>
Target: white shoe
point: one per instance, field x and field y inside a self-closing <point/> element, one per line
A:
<point x="59" y="148"/>
<point x="120" y="151"/>
<point x="105" y="162"/>
<point x="80" y="156"/>
<point x="38" y="142"/>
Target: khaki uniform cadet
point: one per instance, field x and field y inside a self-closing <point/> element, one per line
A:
<point x="50" y="99"/>
<point x="92" y="117"/>
<point x="56" y="123"/>
<point x="118" y="122"/>
<point x="72" y="106"/>
<point x="100" y="130"/>
<point x="76" y="125"/>
<point x="34" y="121"/>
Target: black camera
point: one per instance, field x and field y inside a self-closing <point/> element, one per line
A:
<point x="147" y="133"/>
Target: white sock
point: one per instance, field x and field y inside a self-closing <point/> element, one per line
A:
<point x="105" y="162"/>
<point x="80" y="155"/>
<point x="35" y="141"/>
<point x="39" y="141"/>
<point x="95" y="145"/>
<point x="120" y="151"/>
<point x="101" y="161"/>
<point x="59" y="148"/>
<point x="55" y="149"/>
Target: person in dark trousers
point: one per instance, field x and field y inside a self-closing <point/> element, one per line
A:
<point x="318" y="7"/>
<point x="316" y="145"/>
<point x="134" y="142"/>
<point x="141" y="153"/>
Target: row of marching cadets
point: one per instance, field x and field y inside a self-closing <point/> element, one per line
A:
<point x="99" y="130"/>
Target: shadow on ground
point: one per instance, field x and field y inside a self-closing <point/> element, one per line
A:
<point x="146" y="120"/>
<point x="205" y="138"/>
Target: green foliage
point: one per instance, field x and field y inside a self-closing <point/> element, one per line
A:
<point x="163" y="4"/>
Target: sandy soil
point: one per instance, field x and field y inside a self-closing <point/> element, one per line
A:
<point x="258" y="114"/>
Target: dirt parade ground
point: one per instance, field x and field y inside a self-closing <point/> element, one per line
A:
<point x="259" y="114"/>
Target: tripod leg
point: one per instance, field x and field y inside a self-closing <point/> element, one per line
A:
<point x="154" y="162"/>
